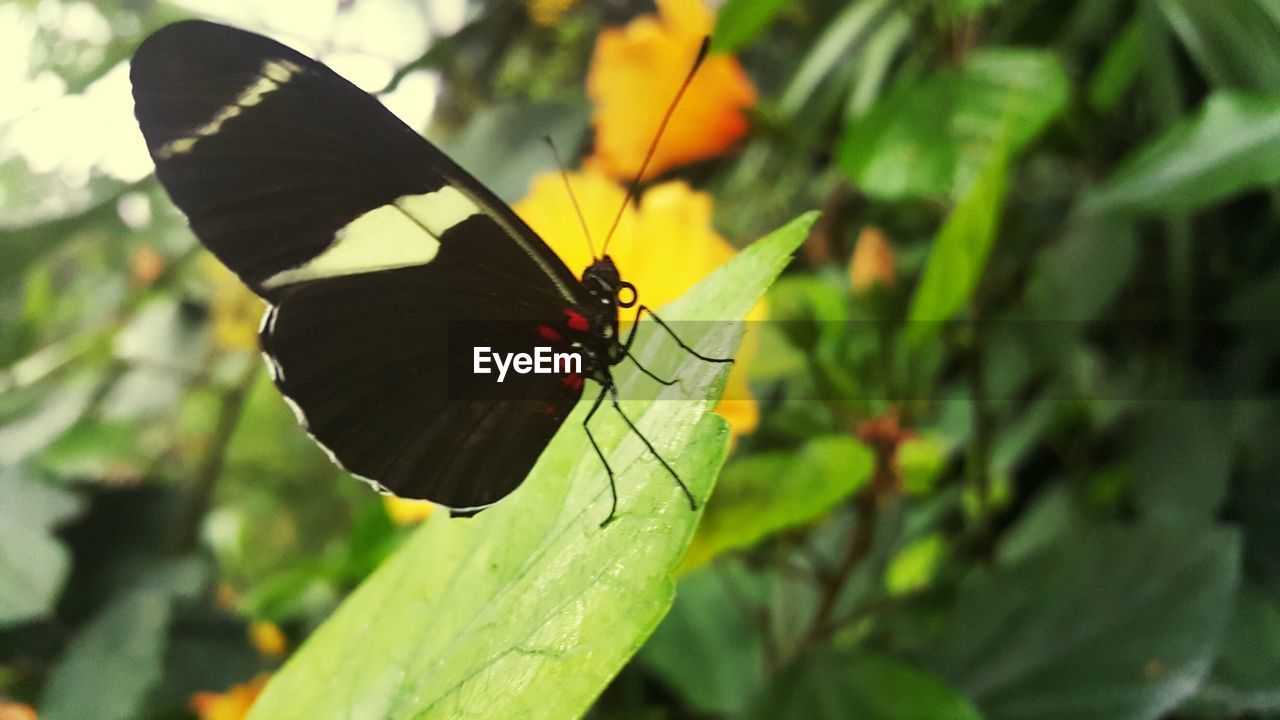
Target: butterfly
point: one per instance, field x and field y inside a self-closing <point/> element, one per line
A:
<point x="384" y="265"/>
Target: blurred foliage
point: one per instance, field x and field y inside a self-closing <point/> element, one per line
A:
<point x="1015" y="453"/>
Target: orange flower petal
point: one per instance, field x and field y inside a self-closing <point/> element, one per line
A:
<point x="873" y="261"/>
<point x="146" y="266"/>
<point x="633" y="78"/>
<point x="233" y="704"/>
<point x="16" y="711"/>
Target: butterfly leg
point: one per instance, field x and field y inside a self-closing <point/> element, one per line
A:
<point x="613" y="393"/>
<point x="646" y="371"/>
<point x="613" y="489"/>
<point x="646" y="309"/>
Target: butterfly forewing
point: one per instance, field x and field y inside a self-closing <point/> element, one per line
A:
<point x="372" y="249"/>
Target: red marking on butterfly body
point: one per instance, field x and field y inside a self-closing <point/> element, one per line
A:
<point x="577" y="321"/>
<point x="548" y="333"/>
<point x="573" y="382"/>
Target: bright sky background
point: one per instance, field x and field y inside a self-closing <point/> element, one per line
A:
<point x="95" y="132"/>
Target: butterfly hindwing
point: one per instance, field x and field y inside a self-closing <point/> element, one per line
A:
<point x="371" y="364"/>
<point x="373" y="250"/>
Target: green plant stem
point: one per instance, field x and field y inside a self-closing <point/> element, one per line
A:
<point x="196" y="505"/>
<point x="980" y="447"/>
<point x="857" y="546"/>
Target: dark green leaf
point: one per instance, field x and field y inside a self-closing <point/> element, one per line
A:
<point x="832" y="51"/>
<point x="1246" y="676"/>
<point x="1231" y="145"/>
<point x="113" y="663"/>
<point x="33" y="563"/>
<point x="1182" y="463"/>
<point x="1119" y="68"/>
<point x="1107" y="622"/>
<point x="1235" y="43"/>
<point x="709" y="648"/>
<point x="867" y="686"/>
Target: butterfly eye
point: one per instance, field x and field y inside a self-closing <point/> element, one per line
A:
<point x="626" y="295"/>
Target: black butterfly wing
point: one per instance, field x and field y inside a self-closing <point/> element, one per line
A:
<point x="377" y="368"/>
<point x="373" y="249"/>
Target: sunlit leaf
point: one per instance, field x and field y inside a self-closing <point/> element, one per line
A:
<point x="959" y="254"/>
<point x="739" y="22"/>
<point x="530" y="608"/>
<point x="934" y="137"/>
<point x="769" y="492"/>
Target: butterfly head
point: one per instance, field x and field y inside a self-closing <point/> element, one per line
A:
<point x="606" y="286"/>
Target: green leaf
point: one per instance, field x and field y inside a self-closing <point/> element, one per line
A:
<point x="839" y="42"/>
<point x="959" y="255"/>
<point x="529" y="609"/>
<point x="113" y="663"/>
<point x="710" y="648"/>
<point x="1235" y="43"/>
<point x="61" y="409"/>
<point x="1182" y="463"/>
<point x="934" y="137"/>
<point x="914" y="567"/>
<point x="835" y="686"/>
<point x="740" y="22"/>
<point x="769" y="492"/>
<point x="1231" y="145"/>
<point x="1107" y="622"/>
<point x="1068" y="281"/>
<point x="1244" y="680"/>
<point x="33" y="563"/>
<point x="504" y="146"/>
<point x="1119" y="68"/>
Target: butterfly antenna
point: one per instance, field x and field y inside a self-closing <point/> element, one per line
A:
<point x="662" y="126"/>
<point x="564" y="175"/>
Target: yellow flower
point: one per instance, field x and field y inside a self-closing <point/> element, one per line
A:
<point x="236" y="311"/>
<point x="404" y="511"/>
<point x="633" y="77"/>
<point x="547" y="12"/>
<point x="873" y="261"/>
<point x="233" y="704"/>
<point x="268" y="639"/>
<point x="664" y="247"/>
